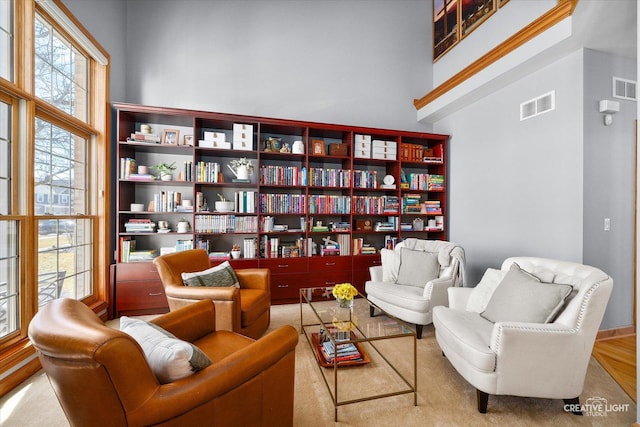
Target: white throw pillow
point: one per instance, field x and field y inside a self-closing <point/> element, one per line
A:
<point x="522" y="297"/>
<point x="170" y="358"/>
<point x="417" y="268"/>
<point x="390" y="265"/>
<point x="481" y="294"/>
<point x="221" y="275"/>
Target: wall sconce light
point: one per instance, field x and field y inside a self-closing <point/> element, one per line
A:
<point x="609" y="108"/>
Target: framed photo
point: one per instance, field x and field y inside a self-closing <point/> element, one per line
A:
<point x="188" y="140"/>
<point x="170" y="136"/>
<point x="317" y="147"/>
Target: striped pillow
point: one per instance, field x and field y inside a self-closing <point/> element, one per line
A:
<point x="219" y="276"/>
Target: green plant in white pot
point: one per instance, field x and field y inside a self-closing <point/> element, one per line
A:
<point x="165" y="170"/>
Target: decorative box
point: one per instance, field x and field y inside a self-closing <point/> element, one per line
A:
<point x="242" y="137"/>
<point x="215" y="136"/>
<point x="364" y="224"/>
<point x="365" y="139"/>
<point x="225" y="145"/>
<point x="338" y="150"/>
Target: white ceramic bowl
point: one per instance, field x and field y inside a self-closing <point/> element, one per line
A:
<point x="137" y="207"/>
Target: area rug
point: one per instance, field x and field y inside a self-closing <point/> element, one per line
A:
<point x="444" y="398"/>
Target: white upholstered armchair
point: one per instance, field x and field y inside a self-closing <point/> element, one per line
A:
<point x="525" y="330"/>
<point x="414" y="278"/>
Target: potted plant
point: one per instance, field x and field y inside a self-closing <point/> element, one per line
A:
<point x="223" y="205"/>
<point x="165" y="170"/>
<point x="183" y="226"/>
<point x="241" y="168"/>
<point x="235" y="251"/>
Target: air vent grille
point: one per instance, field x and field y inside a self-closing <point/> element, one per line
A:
<point x="536" y="106"/>
<point x="625" y="89"/>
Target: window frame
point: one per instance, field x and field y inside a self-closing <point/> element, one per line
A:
<point x="17" y="356"/>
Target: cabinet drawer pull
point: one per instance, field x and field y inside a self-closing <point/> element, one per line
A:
<point x="155" y="294"/>
<point x="283" y="286"/>
<point x="330" y="283"/>
<point x="283" y="265"/>
<point x="329" y="263"/>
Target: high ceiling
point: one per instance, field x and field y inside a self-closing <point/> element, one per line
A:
<point x="607" y="25"/>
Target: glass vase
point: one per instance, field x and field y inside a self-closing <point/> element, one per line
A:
<point x="344" y="303"/>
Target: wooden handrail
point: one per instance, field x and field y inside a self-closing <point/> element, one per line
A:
<point x="562" y="10"/>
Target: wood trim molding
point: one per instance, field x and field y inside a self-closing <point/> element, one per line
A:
<point x="562" y="10"/>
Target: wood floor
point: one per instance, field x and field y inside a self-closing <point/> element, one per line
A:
<point x="617" y="355"/>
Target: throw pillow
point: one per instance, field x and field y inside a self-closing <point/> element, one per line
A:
<point x="522" y="297"/>
<point x="170" y="358"/>
<point x="417" y="268"/>
<point x="390" y="265"/>
<point x="218" y="276"/>
<point x="481" y="294"/>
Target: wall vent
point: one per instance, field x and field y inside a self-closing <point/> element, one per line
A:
<point x="625" y="89"/>
<point x="536" y="106"/>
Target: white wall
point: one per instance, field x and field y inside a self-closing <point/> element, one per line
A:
<point x="516" y="186"/>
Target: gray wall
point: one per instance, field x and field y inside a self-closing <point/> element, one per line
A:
<point x="516" y="186"/>
<point x="350" y="62"/>
<point x="609" y="179"/>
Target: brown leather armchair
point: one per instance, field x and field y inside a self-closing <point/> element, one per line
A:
<point x="101" y="376"/>
<point x="245" y="310"/>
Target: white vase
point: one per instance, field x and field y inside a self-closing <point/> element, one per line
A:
<point x="235" y="254"/>
<point x="166" y="177"/>
<point x="243" y="172"/>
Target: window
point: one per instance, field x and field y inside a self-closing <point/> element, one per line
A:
<point x="53" y="171"/>
<point x="6" y="39"/>
<point x="60" y="71"/>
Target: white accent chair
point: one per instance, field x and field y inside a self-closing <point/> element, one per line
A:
<point x="520" y="358"/>
<point x="430" y="266"/>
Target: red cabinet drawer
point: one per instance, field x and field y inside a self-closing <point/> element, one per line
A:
<point x="329" y="263"/>
<point x="363" y="262"/>
<point x="285" y="265"/>
<point x="140" y="295"/>
<point x="287" y="286"/>
<point x="136" y="271"/>
<point x="329" y="279"/>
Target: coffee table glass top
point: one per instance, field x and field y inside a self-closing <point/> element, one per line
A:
<point x="356" y="320"/>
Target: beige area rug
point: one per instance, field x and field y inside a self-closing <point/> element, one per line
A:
<point x="444" y="398"/>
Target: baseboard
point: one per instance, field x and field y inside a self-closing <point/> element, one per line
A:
<point x="605" y="334"/>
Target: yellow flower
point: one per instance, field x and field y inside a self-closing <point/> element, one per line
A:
<point x="344" y="291"/>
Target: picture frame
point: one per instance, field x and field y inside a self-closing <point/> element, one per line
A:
<point x="188" y="140"/>
<point x="318" y="148"/>
<point x="170" y="136"/>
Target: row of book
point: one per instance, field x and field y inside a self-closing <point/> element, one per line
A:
<point x="420" y="153"/>
<point x="375" y="205"/>
<point x="282" y="175"/>
<point x="329" y="204"/>
<point x="273" y="247"/>
<point x="365" y="179"/>
<point x="168" y="201"/>
<point x="225" y="224"/>
<point x="283" y="203"/>
<point x="321" y="177"/>
<point x="360" y="247"/>
<point x="140" y="225"/>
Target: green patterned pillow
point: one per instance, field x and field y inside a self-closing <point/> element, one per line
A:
<point x="218" y="276"/>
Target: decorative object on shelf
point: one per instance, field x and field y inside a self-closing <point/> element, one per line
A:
<point x="297" y="147"/>
<point x="183" y="226"/>
<point x="170" y="136"/>
<point x="235" y="251"/>
<point x="137" y="207"/>
<point x="188" y="140"/>
<point x="418" y="224"/>
<point x="344" y="293"/>
<point x="241" y="168"/>
<point x="223" y="205"/>
<point x="388" y="182"/>
<point x="145" y="128"/>
<point x="272" y="144"/>
<point x="318" y="148"/>
<point x="165" y="170"/>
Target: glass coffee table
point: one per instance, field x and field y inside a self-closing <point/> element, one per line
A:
<point x="368" y="357"/>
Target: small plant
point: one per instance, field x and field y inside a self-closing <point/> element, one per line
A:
<point x="242" y="161"/>
<point x="235" y="247"/>
<point x="222" y="198"/>
<point x="164" y="168"/>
